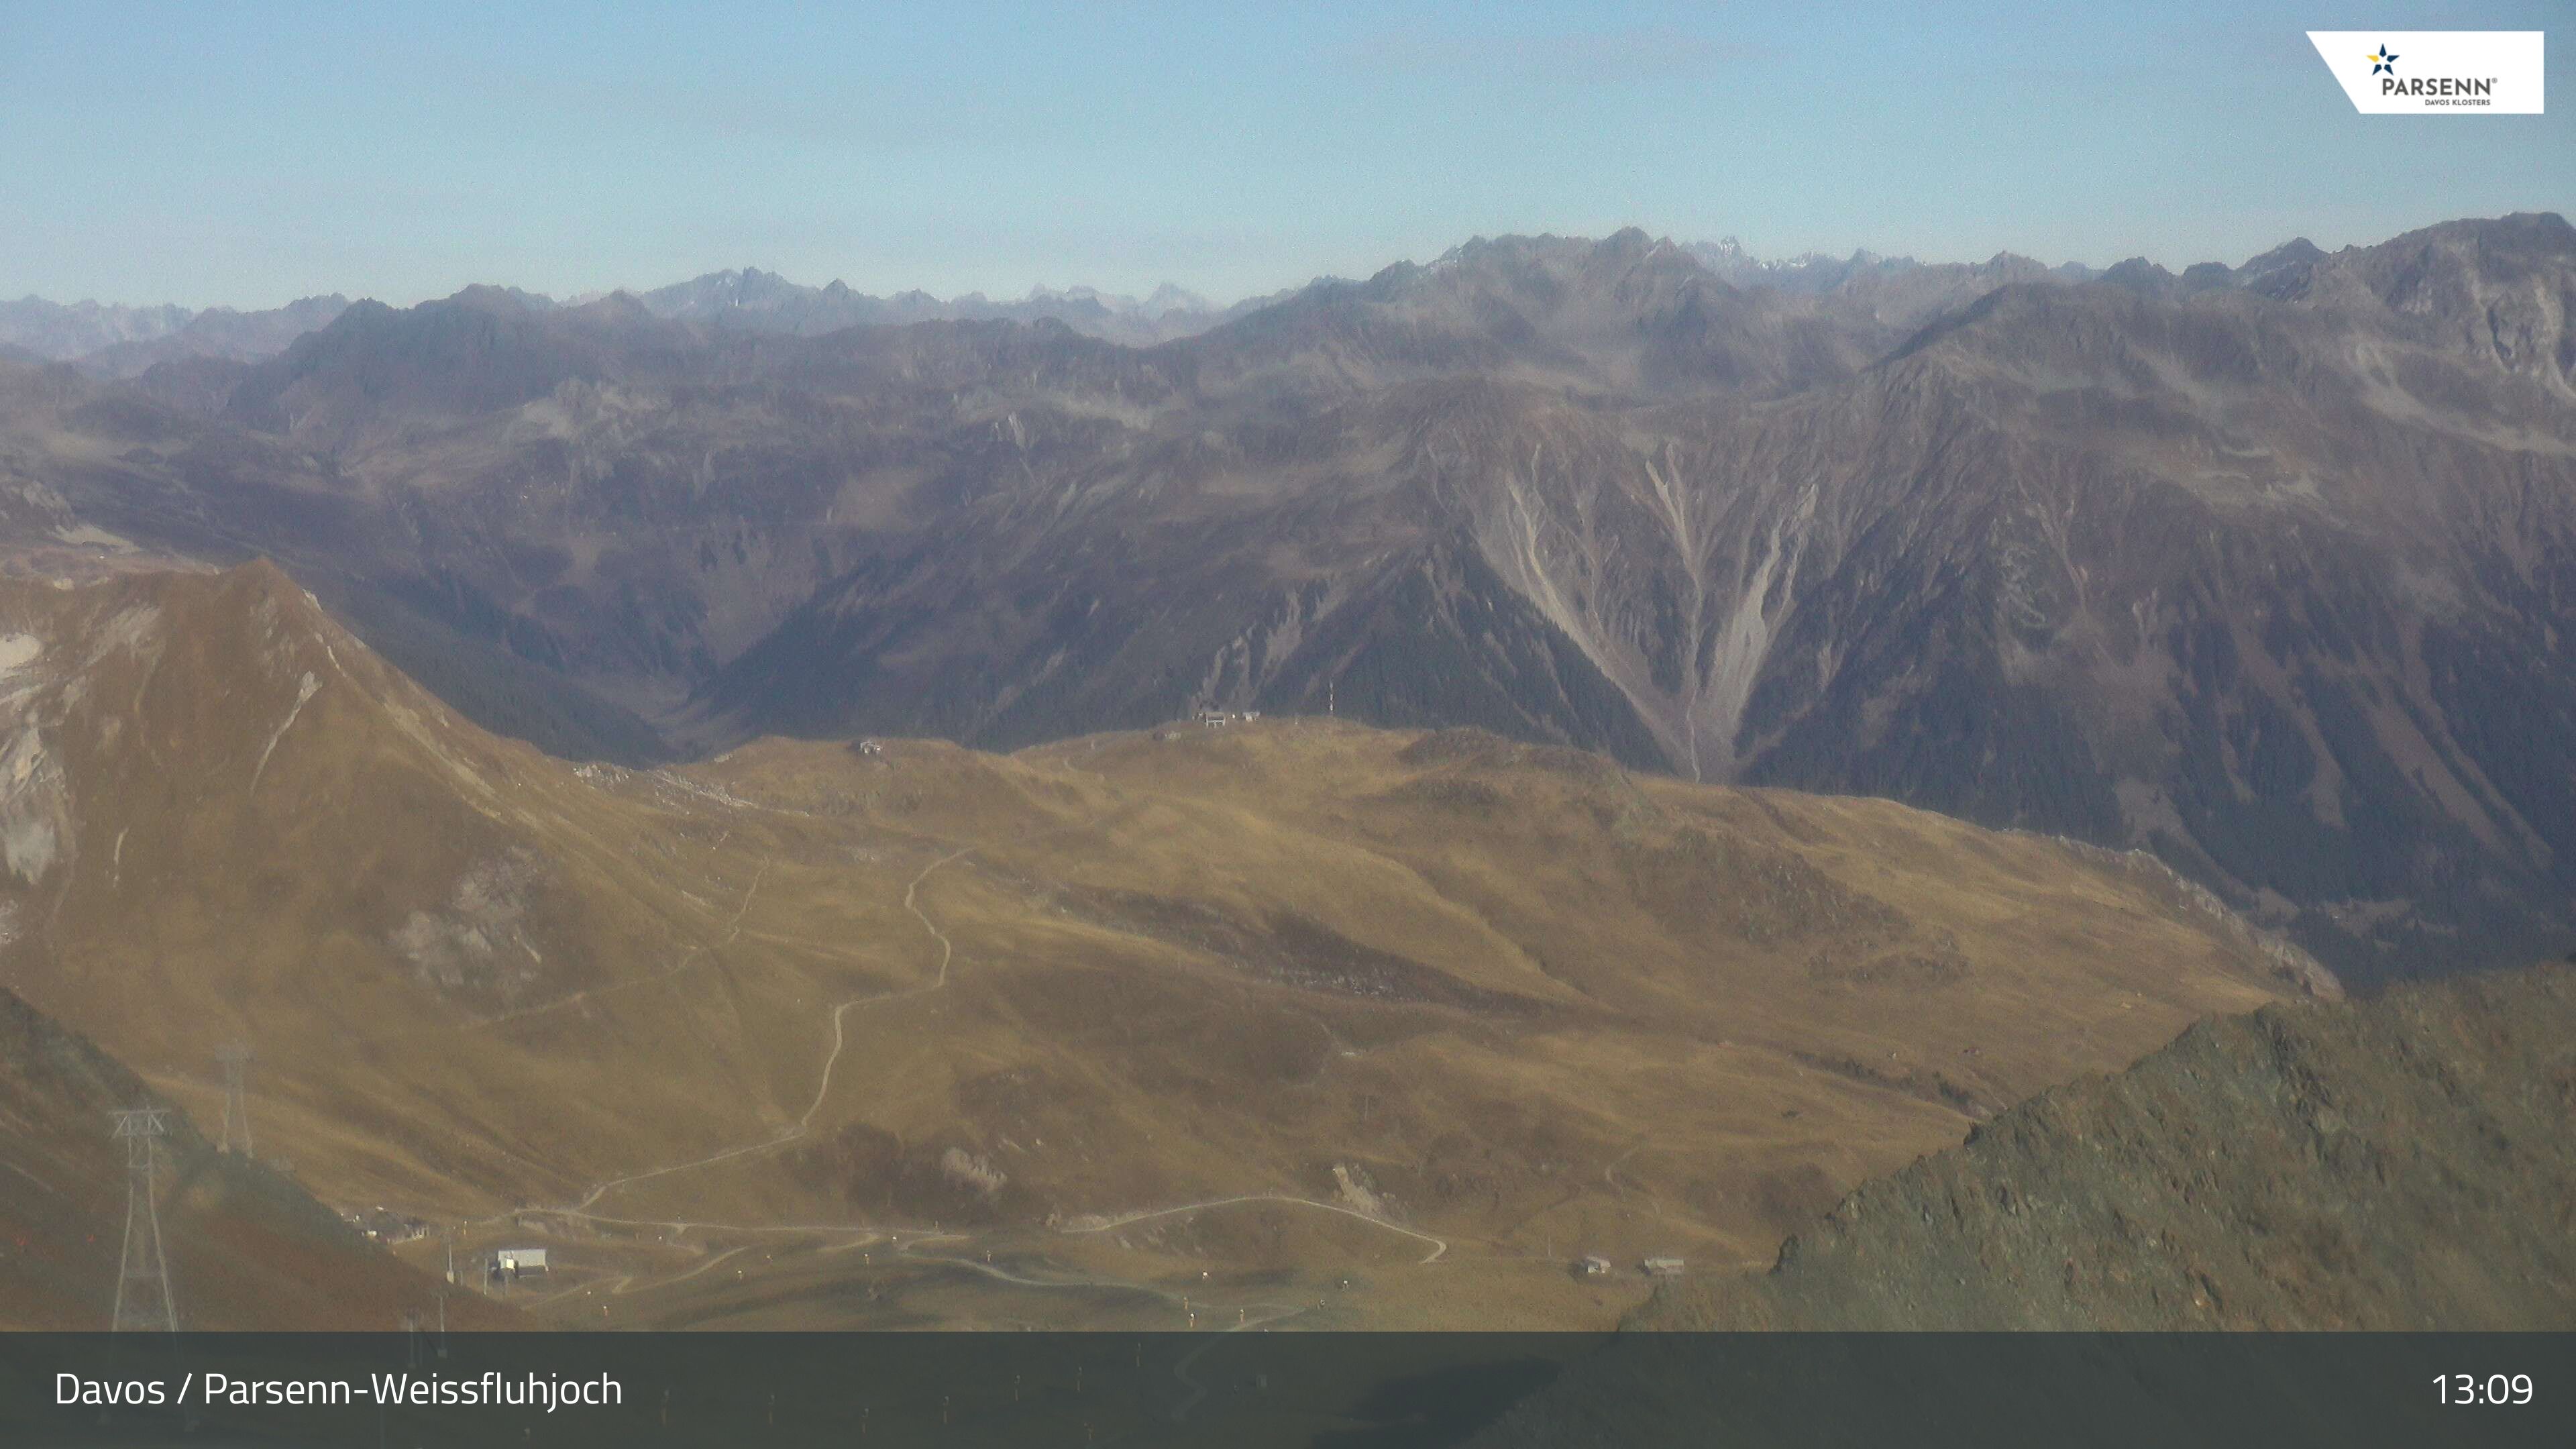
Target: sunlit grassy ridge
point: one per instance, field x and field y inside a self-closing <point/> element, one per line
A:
<point x="1264" y="1007"/>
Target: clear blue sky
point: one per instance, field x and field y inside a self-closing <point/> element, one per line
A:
<point x="248" y="153"/>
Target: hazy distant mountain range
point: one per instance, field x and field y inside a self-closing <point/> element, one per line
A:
<point x="756" y="301"/>
<point x="2267" y="568"/>
<point x="111" y="340"/>
<point x="118" y="340"/>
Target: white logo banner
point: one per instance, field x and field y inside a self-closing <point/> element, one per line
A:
<point x="2435" y="72"/>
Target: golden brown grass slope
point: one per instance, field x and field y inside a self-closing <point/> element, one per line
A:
<point x="1304" y="1018"/>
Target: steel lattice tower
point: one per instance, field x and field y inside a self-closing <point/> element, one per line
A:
<point x="236" y="1060"/>
<point x="143" y="1298"/>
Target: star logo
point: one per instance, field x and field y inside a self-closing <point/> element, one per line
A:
<point x="2382" y="60"/>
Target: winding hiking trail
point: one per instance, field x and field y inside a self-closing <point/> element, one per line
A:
<point x="624" y="1283"/>
<point x="857" y="1236"/>
<point x="840" y="1043"/>
<point x="1438" y="1246"/>
<point x="1065" y="762"/>
<point x="947" y="953"/>
<point x="854" y="1236"/>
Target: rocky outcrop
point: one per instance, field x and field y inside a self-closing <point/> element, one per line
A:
<point x="2396" y="1163"/>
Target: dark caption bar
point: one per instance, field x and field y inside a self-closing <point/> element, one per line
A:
<point x="1320" y="1390"/>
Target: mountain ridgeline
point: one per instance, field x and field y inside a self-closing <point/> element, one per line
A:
<point x="1324" y="1011"/>
<point x="2266" y="568"/>
<point x="2397" y="1166"/>
<point x="2398" y="1163"/>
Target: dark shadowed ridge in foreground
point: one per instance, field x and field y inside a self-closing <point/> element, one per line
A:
<point x="2397" y="1163"/>
<point x="248" y="1248"/>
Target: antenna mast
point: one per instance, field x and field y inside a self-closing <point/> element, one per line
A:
<point x="143" y="1300"/>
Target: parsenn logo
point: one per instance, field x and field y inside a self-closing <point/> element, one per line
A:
<point x="2448" y="72"/>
